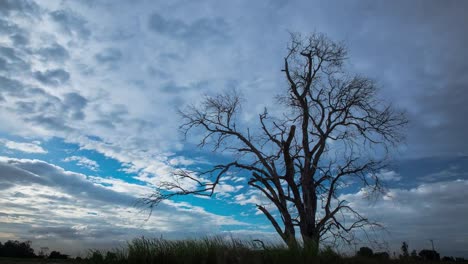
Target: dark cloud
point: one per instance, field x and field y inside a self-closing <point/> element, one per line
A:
<point x="431" y="169"/>
<point x="62" y="232"/>
<point x="12" y="176"/>
<point x="415" y="50"/>
<point x="41" y="108"/>
<point x="10" y="86"/>
<point x="7" y="27"/>
<point x="109" y="55"/>
<point x="16" y="34"/>
<point x="55" y="52"/>
<point x="19" y="6"/>
<point x="75" y="102"/>
<point x="29" y="172"/>
<point x="110" y="118"/>
<point x="19" y="39"/>
<point x="200" y="30"/>
<point x="52" y="77"/>
<point x="71" y="23"/>
<point x="12" y="61"/>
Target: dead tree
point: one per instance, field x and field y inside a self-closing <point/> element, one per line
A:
<point x="332" y="125"/>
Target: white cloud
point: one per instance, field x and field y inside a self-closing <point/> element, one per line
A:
<point x="428" y="211"/>
<point x="388" y="175"/>
<point x="33" y="147"/>
<point x="83" y="161"/>
<point x="49" y="205"/>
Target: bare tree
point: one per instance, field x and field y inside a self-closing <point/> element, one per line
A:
<point x="332" y="124"/>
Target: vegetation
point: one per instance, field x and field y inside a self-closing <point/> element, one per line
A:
<point x="16" y="249"/>
<point x="218" y="250"/>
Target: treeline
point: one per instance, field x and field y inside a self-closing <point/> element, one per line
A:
<point x="17" y="249"/>
<point x="423" y="255"/>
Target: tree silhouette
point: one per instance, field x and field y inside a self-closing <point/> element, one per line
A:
<point x="427" y="254"/>
<point x="301" y="160"/>
<point x="16" y="249"/>
<point x="365" y="252"/>
<point x="57" y="255"/>
<point x="404" y="249"/>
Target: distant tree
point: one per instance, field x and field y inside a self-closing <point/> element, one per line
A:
<point x="110" y="257"/>
<point x="414" y="254"/>
<point x="382" y="255"/>
<point x="404" y="249"/>
<point x="427" y="254"/>
<point x="57" y="255"/>
<point x="365" y="252"/>
<point x="16" y="249"/>
<point x="449" y="259"/>
<point x="301" y="160"/>
<point x="96" y="257"/>
<point x="43" y="252"/>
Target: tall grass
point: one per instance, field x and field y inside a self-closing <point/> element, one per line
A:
<point x="205" y="250"/>
<point x="218" y="250"/>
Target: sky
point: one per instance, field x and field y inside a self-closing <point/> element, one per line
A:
<point x="89" y="92"/>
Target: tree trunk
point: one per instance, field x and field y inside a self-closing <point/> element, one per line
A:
<point x="311" y="242"/>
<point x="290" y="241"/>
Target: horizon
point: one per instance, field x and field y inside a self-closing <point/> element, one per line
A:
<point x="89" y="93"/>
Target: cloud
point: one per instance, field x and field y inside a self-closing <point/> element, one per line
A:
<point x="16" y="34"/>
<point x="75" y="103"/>
<point x="7" y="7"/>
<point x="70" y="211"/>
<point x="10" y="86"/>
<point x="12" y="61"/>
<point x="388" y="175"/>
<point x="52" y="77"/>
<point x="12" y="176"/>
<point x="428" y="211"/>
<point x="84" y="162"/>
<point x="68" y="182"/>
<point x="54" y="52"/>
<point x="200" y="30"/>
<point x="71" y="23"/>
<point x="24" y="147"/>
<point x="109" y="55"/>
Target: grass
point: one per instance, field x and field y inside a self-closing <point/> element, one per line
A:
<point x="220" y="251"/>
<point x="215" y="250"/>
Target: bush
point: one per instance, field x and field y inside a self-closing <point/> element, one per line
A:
<point x="57" y="255"/>
<point x="427" y="254"/>
<point x="365" y="252"/>
<point x="381" y="255"/>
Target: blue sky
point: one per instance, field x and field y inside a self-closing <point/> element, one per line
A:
<point x="89" y="92"/>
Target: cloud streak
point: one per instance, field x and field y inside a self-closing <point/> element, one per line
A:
<point x="34" y="147"/>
